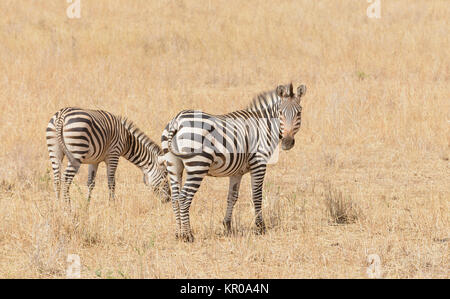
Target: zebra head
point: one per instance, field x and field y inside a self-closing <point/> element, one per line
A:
<point x="289" y="113"/>
<point x="155" y="175"/>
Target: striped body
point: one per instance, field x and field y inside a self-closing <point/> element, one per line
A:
<point x="94" y="136"/>
<point x="228" y="145"/>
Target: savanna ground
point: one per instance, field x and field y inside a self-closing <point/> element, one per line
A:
<point x="374" y="143"/>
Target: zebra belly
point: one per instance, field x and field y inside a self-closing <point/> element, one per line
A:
<point x="228" y="165"/>
<point x="92" y="160"/>
<point x="214" y="173"/>
<point x="86" y="155"/>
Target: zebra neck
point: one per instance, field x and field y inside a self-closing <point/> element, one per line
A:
<point x="140" y="150"/>
<point x="268" y="127"/>
<point x="274" y="137"/>
<point x="265" y="102"/>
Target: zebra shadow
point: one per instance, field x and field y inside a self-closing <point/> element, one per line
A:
<point x="240" y="229"/>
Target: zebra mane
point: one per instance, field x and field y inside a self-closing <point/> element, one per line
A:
<point x="140" y="136"/>
<point x="263" y="101"/>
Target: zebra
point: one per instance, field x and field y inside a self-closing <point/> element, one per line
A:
<point x="94" y="136"/>
<point x="228" y="145"/>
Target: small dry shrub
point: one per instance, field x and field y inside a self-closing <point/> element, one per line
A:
<point x="340" y="208"/>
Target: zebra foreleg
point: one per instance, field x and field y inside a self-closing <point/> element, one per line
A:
<point x="111" y="167"/>
<point x="257" y="179"/>
<point x="233" y="193"/>
<point x="91" y="180"/>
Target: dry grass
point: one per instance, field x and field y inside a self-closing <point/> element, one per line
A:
<point x="341" y="208"/>
<point x="375" y="127"/>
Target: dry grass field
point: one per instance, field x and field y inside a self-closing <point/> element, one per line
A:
<point x="369" y="174"/>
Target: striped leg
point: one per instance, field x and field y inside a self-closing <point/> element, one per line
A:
<point x="111" y="166"/>
<point x="233" y="193"/>
<point x="91" y="179"/>
<point x="257" y="179"/>
<point x="194" y="178"/>
<point x="56" y="155"/>
<point x="69" y="173"/>
<point x="175" y="170"/>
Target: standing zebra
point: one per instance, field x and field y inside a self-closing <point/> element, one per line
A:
<point x="94" y="136"/>
<point x="228" y="145"/>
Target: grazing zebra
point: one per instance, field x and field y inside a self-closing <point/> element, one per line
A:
<point x="228" y="145"/>
<point x="94" y="136"/>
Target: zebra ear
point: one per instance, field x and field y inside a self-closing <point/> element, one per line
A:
<point x="281" y="91"/>
<point x="301" y="90"/>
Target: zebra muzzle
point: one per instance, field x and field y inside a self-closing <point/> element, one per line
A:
<point x="287" y="143"/>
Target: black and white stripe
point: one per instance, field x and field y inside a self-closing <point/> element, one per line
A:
<point x="94" y="136"/>
<point x="228" y="145"/>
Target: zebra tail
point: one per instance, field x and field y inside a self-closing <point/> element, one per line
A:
<point x="172" y="130"/>
<point x="59" y="126"/>
<point x="169" y="133"/>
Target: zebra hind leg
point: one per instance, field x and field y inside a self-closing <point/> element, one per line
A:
<point x="56" y="155"/>
<point x="175" y="169"/>
<point x="233" y="193"/>
<point x="69" y="173"/>
<point x="91" y="180"/>
<point x="56" y="167"/>
<point x="190" y="187"/>
<point x="176" y="208"/>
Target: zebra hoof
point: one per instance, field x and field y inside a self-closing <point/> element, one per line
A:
<point x="227" y="225"/>
<point x="187" y="237"/>
<point x="260" y="228"/>
<point x="67" y="208"/>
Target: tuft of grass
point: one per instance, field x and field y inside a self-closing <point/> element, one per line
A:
<point x="361" y="75"/>
<point x="340" y="208"/>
